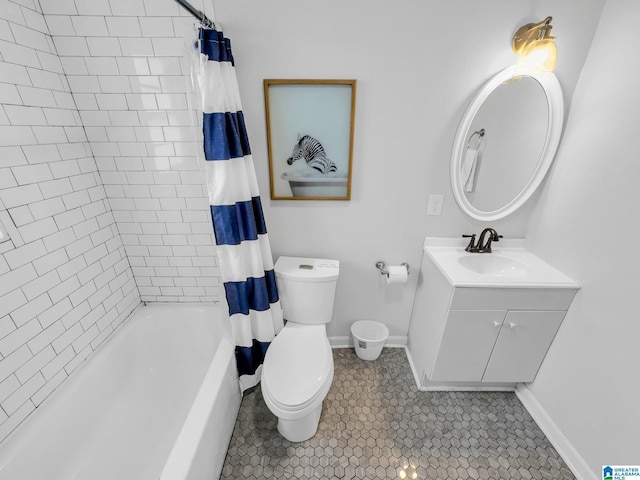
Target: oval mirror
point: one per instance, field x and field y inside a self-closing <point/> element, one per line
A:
<point x="506" y="142"/>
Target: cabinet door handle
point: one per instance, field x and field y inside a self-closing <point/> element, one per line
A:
<point x="512" y="325"/>
<point x="496" y="324"/>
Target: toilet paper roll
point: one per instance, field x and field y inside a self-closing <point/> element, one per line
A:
<point x="397" y="274"/>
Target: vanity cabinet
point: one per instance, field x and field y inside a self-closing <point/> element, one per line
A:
<point x="494" y="346"/>
<point x="523" y="341"/>
<point x="483" y="336"/>
<point x="466" y="345"/>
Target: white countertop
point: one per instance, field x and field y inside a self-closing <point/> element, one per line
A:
<point x="510" y="265"/>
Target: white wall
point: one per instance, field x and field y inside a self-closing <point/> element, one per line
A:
<point x="587" y="225"/>
<point x="417" y="64"/>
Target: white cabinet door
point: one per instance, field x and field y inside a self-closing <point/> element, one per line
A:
<point x="522" y="344"/>
<point x="466" y="344"/>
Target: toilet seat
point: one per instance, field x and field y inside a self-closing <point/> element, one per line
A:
<point x="297" y="371"/>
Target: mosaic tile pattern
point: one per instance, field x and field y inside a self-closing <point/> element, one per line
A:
<point x="376" y="424"/>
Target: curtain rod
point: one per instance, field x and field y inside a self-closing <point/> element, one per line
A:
<point x="204" y="20"/>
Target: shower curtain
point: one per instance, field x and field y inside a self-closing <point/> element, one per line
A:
<point x="244" y="253"/>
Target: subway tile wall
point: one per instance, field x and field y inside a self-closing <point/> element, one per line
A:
<point x="100" y="188"/>
<point x="65" y="281"/>
<point x="126" y="62"/>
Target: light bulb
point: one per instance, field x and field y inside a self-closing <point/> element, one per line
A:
<point x="540" y="55"/>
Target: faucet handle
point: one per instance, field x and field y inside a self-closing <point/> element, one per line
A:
<point x="492" y="238"/>
<point x="471" y="245"/>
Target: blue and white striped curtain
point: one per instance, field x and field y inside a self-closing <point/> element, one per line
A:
<point x="244" y="253"/>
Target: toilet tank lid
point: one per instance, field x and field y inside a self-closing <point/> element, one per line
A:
<point x="307" y="269"/>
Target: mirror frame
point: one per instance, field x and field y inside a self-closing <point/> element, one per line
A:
<point x="555" y="104"/>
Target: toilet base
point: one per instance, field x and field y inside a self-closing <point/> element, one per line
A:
<point x="301" y="429"/>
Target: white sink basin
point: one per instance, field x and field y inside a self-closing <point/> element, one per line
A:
<point x="494" y="265"/>
<point x="510" y="265"/>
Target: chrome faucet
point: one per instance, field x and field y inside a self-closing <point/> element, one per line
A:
<point x="481" y="246"/>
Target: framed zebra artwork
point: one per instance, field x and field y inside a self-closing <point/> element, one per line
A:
<point x="310" y="138"/>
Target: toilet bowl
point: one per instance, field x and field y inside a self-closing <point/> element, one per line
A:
<point x="298" y="367"/>
<point x="296" y="377"/>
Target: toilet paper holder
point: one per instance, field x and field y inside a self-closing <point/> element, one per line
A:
<point x="380" y="265"/>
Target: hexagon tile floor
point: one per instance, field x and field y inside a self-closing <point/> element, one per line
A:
<point x="376" y="424"/>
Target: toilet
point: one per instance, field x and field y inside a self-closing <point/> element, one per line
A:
<point x="298" y="368"/>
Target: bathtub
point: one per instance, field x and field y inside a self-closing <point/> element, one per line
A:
<point x="157" y="401"/>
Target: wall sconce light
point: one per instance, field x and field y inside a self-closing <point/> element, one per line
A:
<point x="535" y="47"/>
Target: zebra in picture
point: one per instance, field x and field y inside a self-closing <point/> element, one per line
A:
<point x="313" y="152"/>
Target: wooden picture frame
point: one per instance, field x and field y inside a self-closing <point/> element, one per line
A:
<point x="310" y="138"/>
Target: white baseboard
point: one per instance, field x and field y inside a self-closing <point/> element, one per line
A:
<point x="347" y="342"/>
<point x="464" y="388"/>
<point x="341" y="342"/>
<point x="416" y="377"/>
<point x="452" y="387"/>
<point x="563" y="446"/>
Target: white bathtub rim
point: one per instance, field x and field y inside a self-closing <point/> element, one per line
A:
<point x="185" y="448"/>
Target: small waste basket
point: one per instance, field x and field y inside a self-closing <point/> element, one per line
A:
<point x="368" y="338"/>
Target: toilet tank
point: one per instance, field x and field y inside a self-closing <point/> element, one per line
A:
<point x="307" y="288"/>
